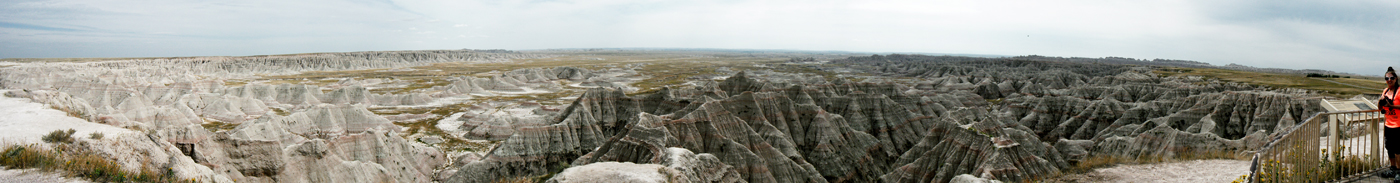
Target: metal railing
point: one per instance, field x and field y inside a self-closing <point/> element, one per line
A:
<point x="1349" y="148"/>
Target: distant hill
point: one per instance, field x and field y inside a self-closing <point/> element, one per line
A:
<point x="1184" y="63"/>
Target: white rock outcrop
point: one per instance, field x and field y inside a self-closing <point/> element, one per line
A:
<point x="327" y="133"/>
<point x="624" y="172"/>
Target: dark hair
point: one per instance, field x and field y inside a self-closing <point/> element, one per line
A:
<point x="1391" y="72"/>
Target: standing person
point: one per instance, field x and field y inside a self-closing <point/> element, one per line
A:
<point x="1391" y="108"/>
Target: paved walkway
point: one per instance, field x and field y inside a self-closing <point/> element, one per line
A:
<point x="1372" y="179"/>
<point x="1217" y="170"/>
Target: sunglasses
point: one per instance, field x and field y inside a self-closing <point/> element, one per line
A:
<point x="1389" y="78"/>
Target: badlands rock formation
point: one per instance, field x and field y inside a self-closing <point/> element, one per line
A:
<point x="999" y="119"/>
<point x="1128" y="111"/>
<point x="773" y="132"/>
<point x="531" y="80"/>
<point x="323" y="136"/>
<point x="897" y="118"/>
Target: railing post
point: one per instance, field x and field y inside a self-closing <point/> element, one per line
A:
<point x="1295" y="157"/>
<point x="1376" y="139"/>
<point x="1309" y="143"/>
<point x="1333" y="137"/>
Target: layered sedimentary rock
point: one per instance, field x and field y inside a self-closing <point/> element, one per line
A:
<point x="153" y="94"/>
<point x="758" y="151"/>
<point x="228" y="109"/>
<point x="517" y="81"/>
<point x="326" y="119"/>
<point x="313" y="161"/>
<point x="1110" y="109"/>
<point x="550" y="74"/>
<point x="970" y="118"/>
<point x="326" y="135"/>
<point x="768" y="132"/>
<point x="645" y="143"/>
<point x="545" y="149"/>
<point x="497" y="126"/>
<point x="986" y="148"/>
<point x="146" y="151"/>
<point x="1160" y="140"/>
<point x="940" y="119"/>
<point x="318" y="145"/>
<point x="302" y="96"/>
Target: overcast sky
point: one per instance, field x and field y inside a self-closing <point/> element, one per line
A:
<point x="1349" y="36"/>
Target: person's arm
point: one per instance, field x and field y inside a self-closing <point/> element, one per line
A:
<point x="1385" y="109"/>
<point x="1380" y="102"/>
<point x="1385" y="103"/>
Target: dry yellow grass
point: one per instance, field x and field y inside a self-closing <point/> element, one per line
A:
<point x="215" y="126"/>
<point x="1369" y="82"/>
<point x="78" y="163"/>
<point x="1278" y="80"/>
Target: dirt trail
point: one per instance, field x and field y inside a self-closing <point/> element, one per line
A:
<point x="34" y="175"/>
<point x="1184" y="171"/>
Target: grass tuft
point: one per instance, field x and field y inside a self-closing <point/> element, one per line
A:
<point x="60" y="136"/>
<point x="77" y="163"/>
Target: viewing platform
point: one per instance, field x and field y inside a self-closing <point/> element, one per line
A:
<point x="1342" y="145"/>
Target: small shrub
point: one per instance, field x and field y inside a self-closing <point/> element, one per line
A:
<point x="95" y="135"/>
<point x="60" y="136"/>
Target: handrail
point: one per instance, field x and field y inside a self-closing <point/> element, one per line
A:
<point x="1350" y="149"/>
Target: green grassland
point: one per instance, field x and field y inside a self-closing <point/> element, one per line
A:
<point x="1369" y="82"/>
<point x="1282" y="80"/>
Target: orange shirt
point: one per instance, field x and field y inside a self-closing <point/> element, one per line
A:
<point x="1392" y="120"/>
